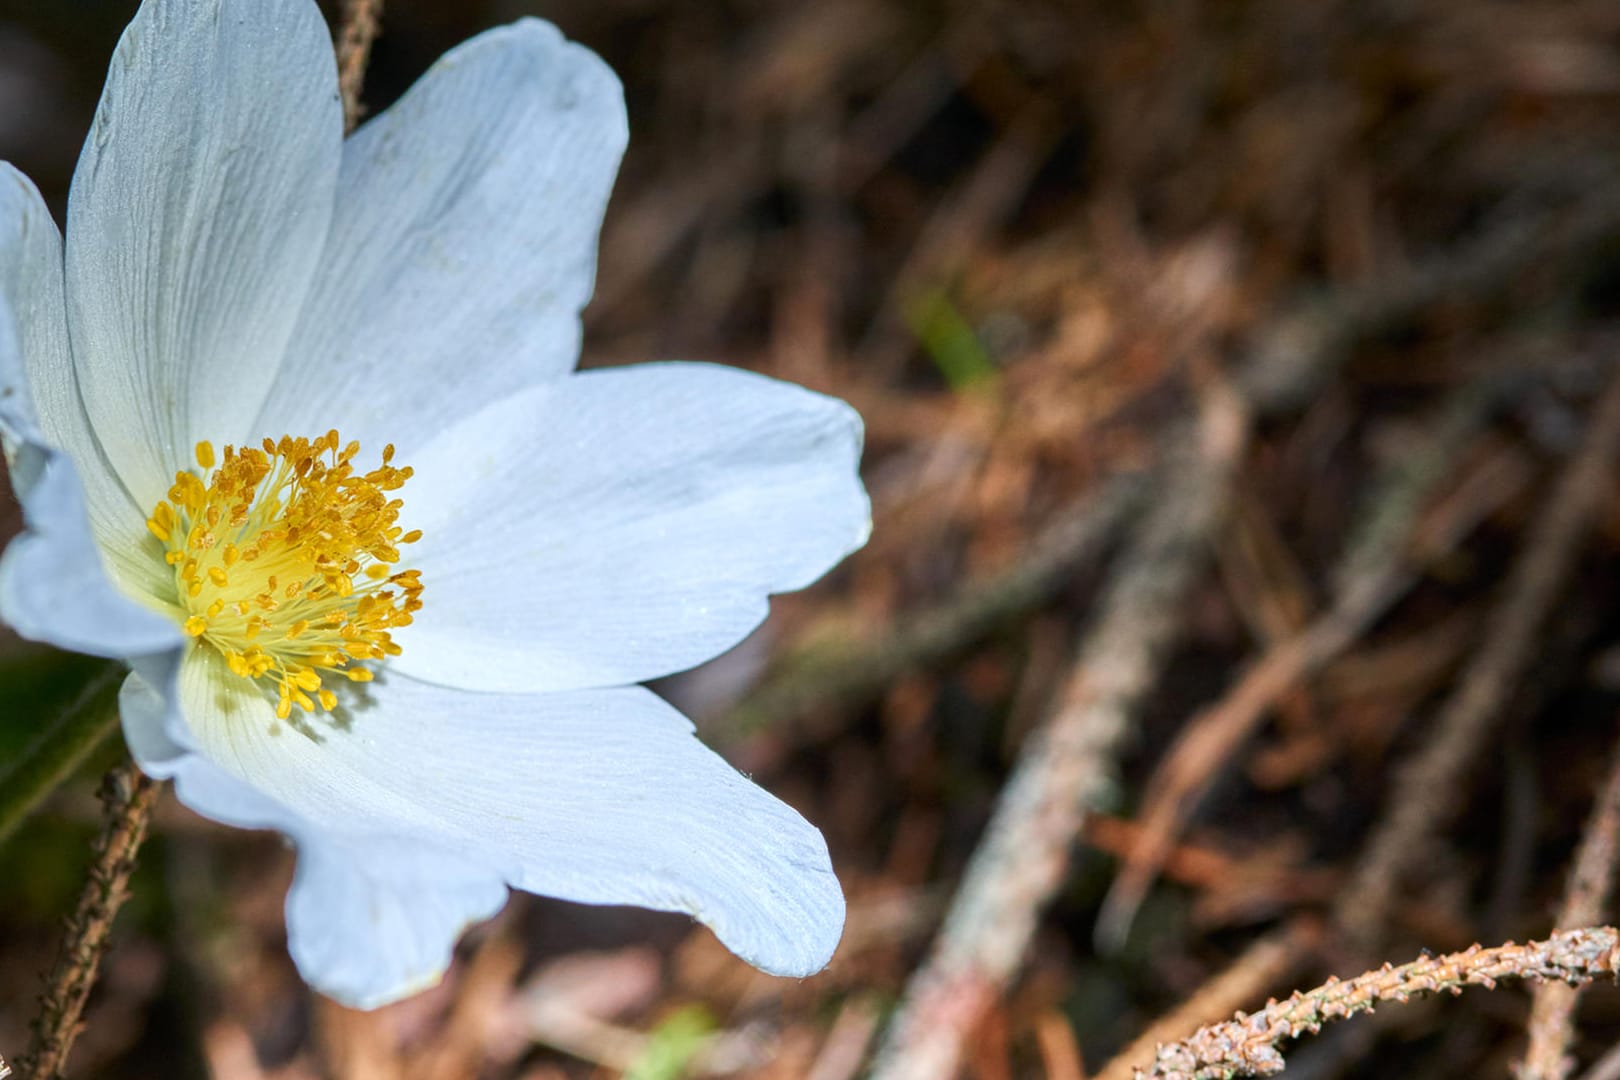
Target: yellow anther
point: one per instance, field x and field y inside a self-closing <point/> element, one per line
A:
<point x="283" y="555"/>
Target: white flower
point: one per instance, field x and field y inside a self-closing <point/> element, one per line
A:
<point x="235" y="271"/>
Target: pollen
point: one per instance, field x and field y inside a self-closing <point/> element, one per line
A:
<point x="285" y="559"/>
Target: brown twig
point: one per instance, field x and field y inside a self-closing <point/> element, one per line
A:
<point x="1008" y="881"/>
<point x="1282" y="364"/>
<point x="1427" y="786"/>
<point x="1267" y="961"/>
<point x="1025" y="849"/>
<point x="1379" y="565"/>
<point x="362" y="21"/>
<point x="1295" y="354"/>
<point x="1066" y="767"/>
<point x="128" y="797"/>
<point x="1606" y="1067"/>
<point x="831" y="680"/>
<point x="1247" y="1045"/>
<point x="1586" y="899"/>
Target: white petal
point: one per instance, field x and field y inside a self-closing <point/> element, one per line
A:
<point x="198" y="212"/>
<point x="31" y="290"/>
<point x="601" y="796"/>
<point x="44" y="387"/>
<point x="149" y="711"/>
<point x="370" y="919"/>
<point x="607" y="797"/>
<point x="52" y="586"/>
<point x="464" y="242"/>
<point x="375" y="920"/>
<point x="623" y="524"/>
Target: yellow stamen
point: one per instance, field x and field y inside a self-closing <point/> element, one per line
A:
<point x="284" y="558"/>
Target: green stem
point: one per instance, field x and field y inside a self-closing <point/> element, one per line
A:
<point x="59" y="751"/>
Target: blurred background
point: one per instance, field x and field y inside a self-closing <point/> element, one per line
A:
<point x="1189" y="338"/>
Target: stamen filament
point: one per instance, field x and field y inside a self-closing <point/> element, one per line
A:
<point x="285" y="562"/>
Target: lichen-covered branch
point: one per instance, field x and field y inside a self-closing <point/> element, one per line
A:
<point x="1248" y="1045"/>
<point x="1586" y="900"/>
<point x="128" y="797"/>
<point x="1268" y="963"/>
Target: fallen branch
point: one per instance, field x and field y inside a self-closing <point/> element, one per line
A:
<point x="1586" y="900"/>
<point x="1025" y="848"/>
<point x="1379" y="565"/>
<point x="1247" y="1045"/>
<point x="1265" y="964"/>
<point x="1067" y="767"/>
<point x="1426" y="787"/>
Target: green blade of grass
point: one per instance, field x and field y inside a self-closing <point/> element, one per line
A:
<point x="82" y="696"/>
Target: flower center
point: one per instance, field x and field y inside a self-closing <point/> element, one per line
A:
<point x="284" y="561"/>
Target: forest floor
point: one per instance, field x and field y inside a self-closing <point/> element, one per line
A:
<point x="1241" y="400"/>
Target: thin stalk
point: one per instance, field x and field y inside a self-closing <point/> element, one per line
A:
<point x="59" y="751"/>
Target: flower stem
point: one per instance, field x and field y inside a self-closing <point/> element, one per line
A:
<point x="60" y="749"/>
<point x="362" y="19"/>
<point x="128" y="796"/>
